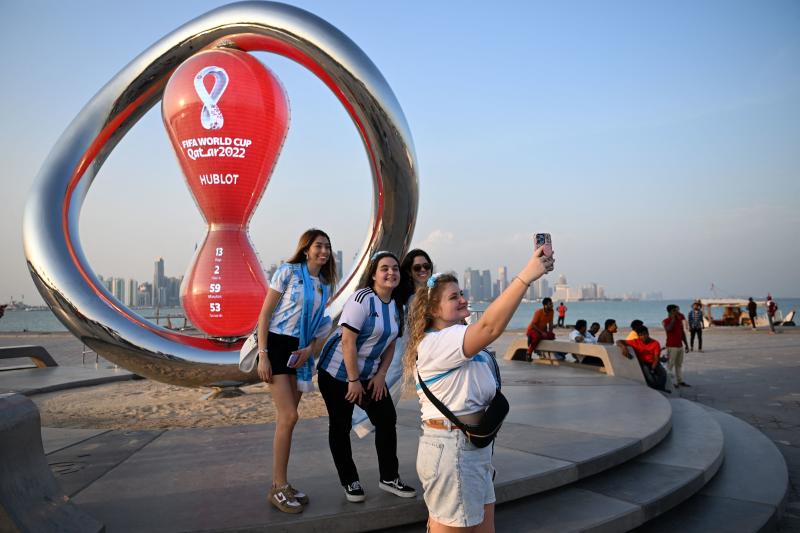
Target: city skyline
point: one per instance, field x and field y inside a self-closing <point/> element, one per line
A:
<point x="657" y="144"/>
<point x="165" y="290"/>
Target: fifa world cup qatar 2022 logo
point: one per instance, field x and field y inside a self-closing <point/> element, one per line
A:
<point x="227" y="117"/>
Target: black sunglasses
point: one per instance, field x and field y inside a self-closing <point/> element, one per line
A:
<point x="421" y="266"/>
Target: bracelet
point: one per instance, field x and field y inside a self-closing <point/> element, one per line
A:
<point x="523" y="282"/>
<point x="353" y="380"/>
<point x="263" y="350"/>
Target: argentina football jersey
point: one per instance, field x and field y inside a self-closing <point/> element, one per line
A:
<point x="286" y="316"/>
<point x="376" y="325"/>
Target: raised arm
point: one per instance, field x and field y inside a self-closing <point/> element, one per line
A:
<point x="495" y="319"/>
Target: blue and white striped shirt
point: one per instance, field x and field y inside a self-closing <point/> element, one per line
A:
<point x="376" y="324"/>
<point x="286" y="316"/>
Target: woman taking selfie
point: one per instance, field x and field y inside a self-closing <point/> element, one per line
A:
<point x="449" y="356"/>
<point x="291" y="319"/>
<point x="415" y="269"/>
<point x="352" y="370"/>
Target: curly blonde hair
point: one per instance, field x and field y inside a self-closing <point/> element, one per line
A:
<point x="420" y="318"/>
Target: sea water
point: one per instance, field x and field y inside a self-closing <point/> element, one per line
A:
<point x="651" y="312"/>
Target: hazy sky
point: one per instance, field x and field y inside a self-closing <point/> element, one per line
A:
<point x="659" y="143"/>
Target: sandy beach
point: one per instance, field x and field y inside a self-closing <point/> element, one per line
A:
<point x="145" y="404"/>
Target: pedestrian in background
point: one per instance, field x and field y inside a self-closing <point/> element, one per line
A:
<point x="676" y="343"/>
<point x="752" y="311"/>
<point x="772" y="308"/>
<point x="607" y="335"/>
<point x="562" y="313"/>
<point x="635" y="325"/>
<point x="696" y="326"/>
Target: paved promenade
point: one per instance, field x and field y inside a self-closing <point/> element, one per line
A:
<point x="751" y="375"/>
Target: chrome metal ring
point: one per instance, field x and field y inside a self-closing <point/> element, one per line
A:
<point x="50" y="227"/>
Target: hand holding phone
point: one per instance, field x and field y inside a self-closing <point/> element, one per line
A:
<point x="293" y="359"/>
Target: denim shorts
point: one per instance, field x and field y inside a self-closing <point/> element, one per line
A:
<point x="456" y="476"/>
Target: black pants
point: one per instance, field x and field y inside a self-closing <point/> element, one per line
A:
<point x="699" y="333"/>
<point x="656" y="378"/>
<point x="560" y="323"/>
<point x="340" y="419"/>
<point x="753" y="321"/>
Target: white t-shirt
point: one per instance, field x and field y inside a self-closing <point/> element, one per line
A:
<point x="376" y="324"/>
<point x="463" y="384"/>
<point x="286" y="316"/>
<point x="588" y="338"/>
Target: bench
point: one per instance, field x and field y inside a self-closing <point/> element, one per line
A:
<point x="30" y="497"/>
<point x="40" y="357"/>
<point x="614" y="364"/>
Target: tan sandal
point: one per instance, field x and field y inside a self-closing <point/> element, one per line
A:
<point x="282" y="498"/>
<point x="300" y="496"/>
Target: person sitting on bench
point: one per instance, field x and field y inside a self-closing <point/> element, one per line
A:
<point x="541" y="326"/>
<point x="647" y="352"/>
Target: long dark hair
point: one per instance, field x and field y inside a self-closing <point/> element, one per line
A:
<point x="406" y="287"/>
<point x="328" y="270"/>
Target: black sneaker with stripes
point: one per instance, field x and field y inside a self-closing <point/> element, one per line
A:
<point x="354" y="492"/>
<point x="398" y="488"/>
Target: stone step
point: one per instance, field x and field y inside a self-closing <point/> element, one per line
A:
<point x="748" y="494"/>
<point x="564" y="425"/>
<point x="31" y="499"/>
<point x="628" y="495"/>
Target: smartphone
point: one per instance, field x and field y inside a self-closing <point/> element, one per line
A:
<point x="293" y="359"/>
<point x="543" y="240"/>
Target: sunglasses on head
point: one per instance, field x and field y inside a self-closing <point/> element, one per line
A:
<point x="421" y="266"/>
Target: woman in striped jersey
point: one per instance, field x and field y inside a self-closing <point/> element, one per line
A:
<point x="352" y="370"/>
<point x="415" y="269"/>
<point x="291" y="320"/>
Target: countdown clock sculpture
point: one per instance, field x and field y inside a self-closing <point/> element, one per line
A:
<point x="50" y="227"/>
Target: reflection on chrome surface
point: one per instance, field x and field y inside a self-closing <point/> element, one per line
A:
<point x="50" y="227"/>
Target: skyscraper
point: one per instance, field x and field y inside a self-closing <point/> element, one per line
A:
<point x="561" y="292"/>
<point x="502" y="279"/>
<point x="473" y="284"/>
<point x="589" y="291"/>
<point x="339" y="265"/>
<point x="541" y="288"/>
<point x="144" y="297"/>
<point x="486" y="286"/>
<point x="133" y="289"/>
<point x="118" y="289"/>
<point x="158" y="283"/>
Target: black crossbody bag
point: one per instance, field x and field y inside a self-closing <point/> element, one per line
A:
<point x="484" y="432"/>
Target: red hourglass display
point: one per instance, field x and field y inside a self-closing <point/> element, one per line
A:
<point x="227" y="117"/>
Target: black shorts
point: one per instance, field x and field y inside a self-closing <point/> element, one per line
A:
<point x="279" y="348"/>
